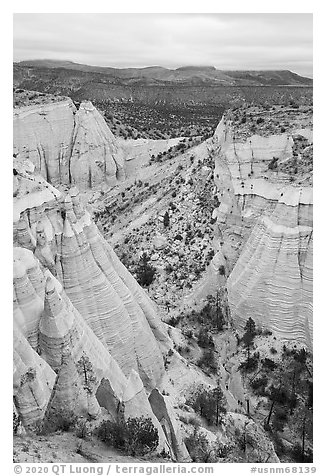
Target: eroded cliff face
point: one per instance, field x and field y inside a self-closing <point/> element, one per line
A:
<point x="264" y="228"/>
<point x="66" y="145"/>
<point x="86" y="334"/>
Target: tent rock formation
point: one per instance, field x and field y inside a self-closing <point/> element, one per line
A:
<point x="68" y="146"/>
<point x="85" y="333"/>
<point x="264" y="235"/>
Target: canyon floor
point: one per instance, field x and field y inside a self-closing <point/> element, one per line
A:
<point x="66" y="447"/>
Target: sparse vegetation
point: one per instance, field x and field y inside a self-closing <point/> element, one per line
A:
<point x="208" y="403"/>
<point x="145" y="272"/>
<point x="207" y="361"/>
<point x="16" y="422"/>
<point x="58" y="421"/>
<point x="248" y="338"/>
<point x="205" y="339"/>
<point x="136" y="436"/>
<point x="202" y="451"/>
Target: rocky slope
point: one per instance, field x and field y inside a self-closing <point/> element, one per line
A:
<point x="66" y="145"/>
<point x="243" y="198"/>
<point x="86" y="335"/>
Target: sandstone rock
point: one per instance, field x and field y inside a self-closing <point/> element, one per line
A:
<point x="136" y="404"/>
<point x="272" y="279"/>
<point x="33" y="381"/>
<point x="89" y="268"/>
<point x="88" y="337"/>
<point x="95" y="157"/>
<point x="264" y="233"/>
<point x="69" y="397"/>
<point x="43" y="134"/>
<point x="259" y="448"/>
<point x="165" y="415"/>
<point x="68" y="146"/>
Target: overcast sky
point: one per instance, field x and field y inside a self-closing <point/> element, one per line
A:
<point x="226" y="41"/>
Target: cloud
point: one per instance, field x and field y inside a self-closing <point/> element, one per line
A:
<point x="234" y="41"/>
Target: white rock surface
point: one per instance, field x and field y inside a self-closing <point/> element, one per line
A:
<point x="68" y="146"/>
<point x="76" y="305"/>
<point x="264" y="224"/>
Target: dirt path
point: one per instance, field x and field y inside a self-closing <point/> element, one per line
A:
<point x="231" y="381"/>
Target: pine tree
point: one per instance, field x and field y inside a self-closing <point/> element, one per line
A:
<point x="145" y="272"/>
<point x="166" y="219"/>
<point x="250" y="327"/>
<point x="248" y="337"/>
<point x="248" y="341"/>
<point x="220" y="403"/>
<point x="86" y="371"/>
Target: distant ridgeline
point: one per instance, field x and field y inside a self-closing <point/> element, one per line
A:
<point x="162" y="86"/>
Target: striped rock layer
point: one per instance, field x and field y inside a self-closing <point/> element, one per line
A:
<point x="68" y="146"/>
<point x="264" y="224"/>
<point x="86" y="335"/>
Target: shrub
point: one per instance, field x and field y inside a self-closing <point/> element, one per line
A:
<point x="259" y="385"/>
<point x="193" y="421"/>
<point x="221" y="270"/>
<point x="208" y="403"/>
<point x="207" y="360"/>
<point x="205" y="339"/>
<point x="168" y="268"/>
<point x="299" y="457"/>
<point x="250" y="365"/>
<point x="198" y="447"/>
<point x="144" y="271"/>
<point x="273" y="163"/>
<point x="112" y="433"/>
<point x="183" y="348"/>
<point x="174" y="320"/>
<point x="279" y="419"/>
<point x="164" y="454"/>
<point x="64" y="421"/>
<point x="142" y="436"/>
<point x="166" y="219"/>
<point x="188" y="333"/>
<point x="269" y="364"/>
<point x="16" y="422"/>
<point x="136" y="436"/>
<point x="81" y="428"/>
<point x="184" y="419"/>
<point x="297" y="453"/>
<point x="202" y="451"/>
